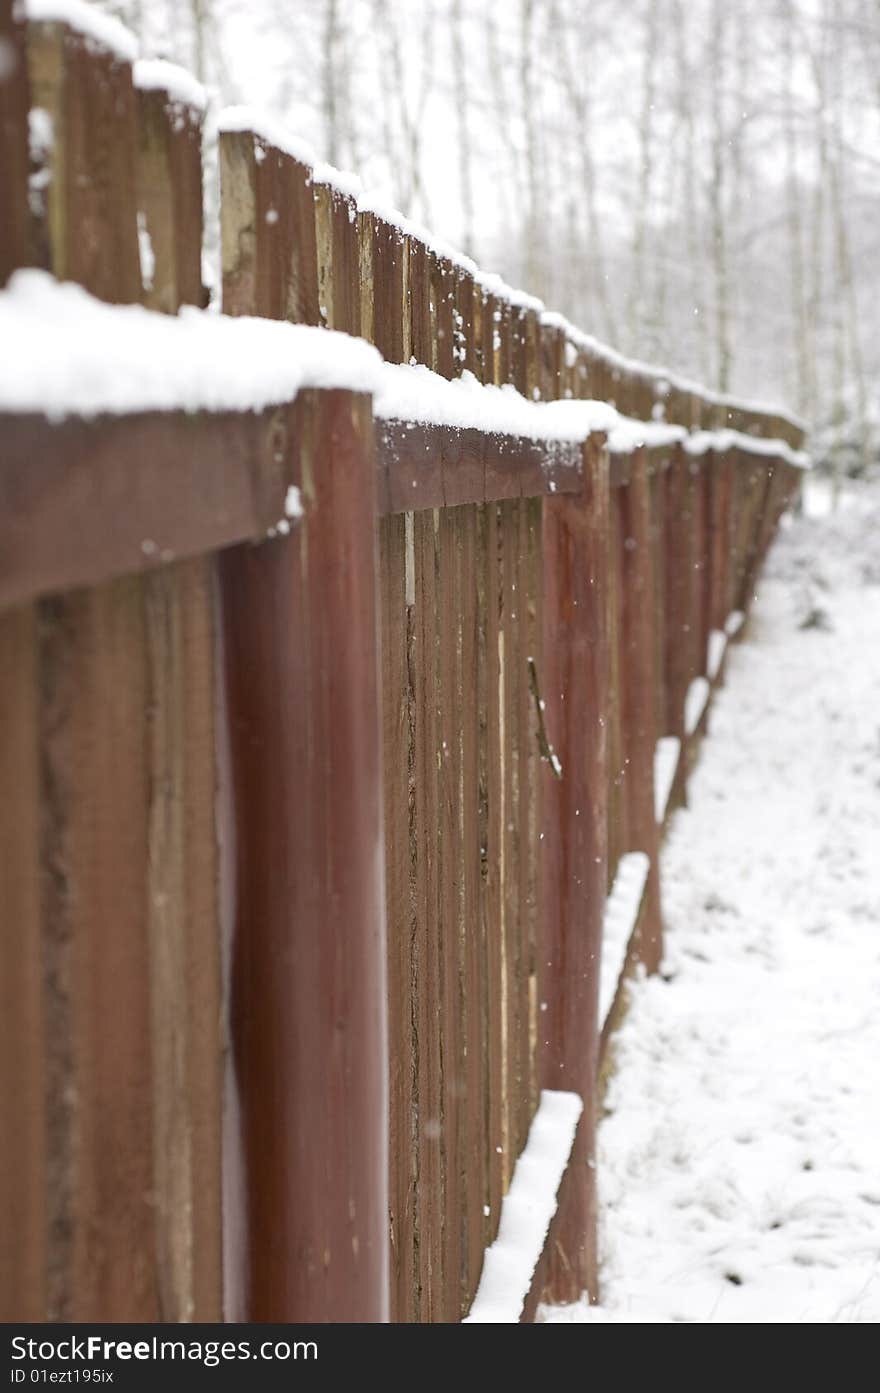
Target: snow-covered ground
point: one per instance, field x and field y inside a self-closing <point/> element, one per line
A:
<point x="739" y="1160"/>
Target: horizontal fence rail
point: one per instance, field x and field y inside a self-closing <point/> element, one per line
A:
<point x="341" y="715"/>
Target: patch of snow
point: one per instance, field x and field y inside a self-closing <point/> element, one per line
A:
<point x="145" y="252"/>
<point x="666" y="756"/>
<point x="699" y="442"/>
<point x="102" y="29"/>
<point x="621" y="913"/>
<point x="75" y="355"/>
<point x="627" y="435"/>
<point x="155" y="74"/>
<point x="739" y="1156"/>
<point x="526" y="1211"/>
<point x="266" y="128"/>
<point x="715" y="653"/>
<point x="350" y="185"/>
<point x="695" y="704"/>
<point x="411" y="392"/>
<point x="293" y="506"/>
<point x="734" y="622"/>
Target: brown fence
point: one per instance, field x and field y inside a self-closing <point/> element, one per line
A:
<point x="306" y="839"/>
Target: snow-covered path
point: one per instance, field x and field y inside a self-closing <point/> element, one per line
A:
<point x="739" y="1162"/>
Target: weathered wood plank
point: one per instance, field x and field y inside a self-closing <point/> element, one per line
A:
<point x="309" y="953"/>
<point x="575" y="660"/>
<point x="23" y="1065"/>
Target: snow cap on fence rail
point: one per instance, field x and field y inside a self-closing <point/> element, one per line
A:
<point x="527" y="1211"/>
<point x="75" y="355"/>
<point x="701" y="441"/>
<point x="92" y="24"/>
<point x="111" y="34"/>
<point x="155" y="74"/>
<point x="249" y="120"/>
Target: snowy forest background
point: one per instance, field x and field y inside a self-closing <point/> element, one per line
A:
<point x="695" y="181"/>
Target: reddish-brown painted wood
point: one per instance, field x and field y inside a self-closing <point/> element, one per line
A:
<point x="90" y="232"/>
<point x="492" y="837"/>
<point x="23" y="1075"/>
<point x="637" y="694"/>
<point x="398" y="753"/>
<point x="308" y="998"/>
<point x="450" y="698"/>
<point x="471" y="717"/>
<point x="93" y="744"/>
<point x="14" y="107"/>
<point x="575" y="662"/>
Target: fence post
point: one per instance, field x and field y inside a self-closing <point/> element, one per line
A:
<point x="637" y="692"/>
<point x="308" y="990"/>
<point x="575" y="689"/>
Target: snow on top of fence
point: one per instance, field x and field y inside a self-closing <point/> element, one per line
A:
<point x="666" y="756"/>
<point x="627" y="435"/>
<point x="249" y="119"/>
<point x="722" y="440"/>
<point x="621" y="915"/>
<point x="113" y="35"/>
<point x="155" y="74"/>
<point x="75" y="355"/>
<point x="526" y="1211"/>
<point x="101" y="29"/>
<point x="410" y="392"/>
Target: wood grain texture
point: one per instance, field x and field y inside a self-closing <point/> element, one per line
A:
<point x="575" y="659"/>
<point x="23" y="1064"/>
<point x="309" y="956"/>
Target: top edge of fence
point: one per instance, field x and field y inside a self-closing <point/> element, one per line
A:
<point x="178" y="84"/>
<point x="181" y="86"/>
<point x="100" y="28"/>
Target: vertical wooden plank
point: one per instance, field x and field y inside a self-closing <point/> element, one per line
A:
<point x="338" y="259"/>
<point x="268" y="236"/>
<point x="678" y="565"/>
<point x="575" y="550"/>
<point x="169" y="192"/>
<point x="429" y="966"/>
<point x="420" y="297"/>
<point x="720" y="538"/>
<point x="183" y="865"/>
<point x="617" y="830"/>
<point x="658" y="549"/>
<point x="87" y="92"/>
<point x="389" y="264"/>
<point x="493" y="868"/>
<point x="94" y="771"/>
<point x="23" y="1161"/>
<point x="14" y="107"/>
<point x="184" y="941"/>
<point x="637" y="695"/>
<point x="94" y="852"/>
<point x="402" y="1036"/>
<point x="309" y="1025"/>
<point x="443" y="316"/>
<point x="510" y="659"/>
<point x="475" y="1146"/>
<point x="450" y="699"/>
<point x="528" y="830"/>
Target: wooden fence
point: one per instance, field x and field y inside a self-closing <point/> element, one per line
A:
<point x="306" y="840"/>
